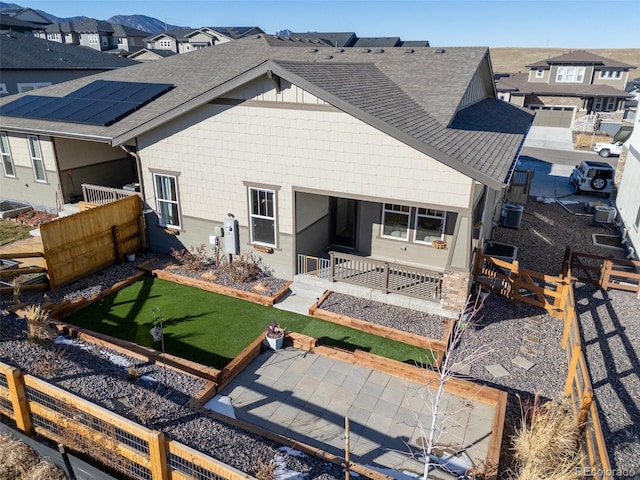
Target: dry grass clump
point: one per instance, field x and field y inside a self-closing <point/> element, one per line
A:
<point x="18" y="461"/>
<point x="260" y="287"/>
<point x="266" y="471"/>
<point x="38" y="322"/>
<point x="547" y="445"/>
<point x="209" y="276"/>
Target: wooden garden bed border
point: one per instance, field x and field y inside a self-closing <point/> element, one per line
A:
<point x="213" y="287"/>
<point x="439" y="346"/>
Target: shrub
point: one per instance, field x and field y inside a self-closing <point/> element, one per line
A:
<point x="194" y="259"/>
<point x="245" y="267"/>
<point x="38" y="323"/>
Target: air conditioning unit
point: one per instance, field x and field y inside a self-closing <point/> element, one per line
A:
<point x="511" y="215"/>
<point x="604" y="214"/>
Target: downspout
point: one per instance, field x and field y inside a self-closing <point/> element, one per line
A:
<point x="135" y="155"/>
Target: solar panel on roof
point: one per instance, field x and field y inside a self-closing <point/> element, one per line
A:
<point x="102" y="102"/>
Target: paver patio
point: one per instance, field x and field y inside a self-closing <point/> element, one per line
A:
<point x="306" y="396"/>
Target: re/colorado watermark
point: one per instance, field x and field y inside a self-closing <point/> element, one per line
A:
<point x="600" y="472"/>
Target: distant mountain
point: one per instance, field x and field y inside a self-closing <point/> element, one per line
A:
<point x="141" y="22"/>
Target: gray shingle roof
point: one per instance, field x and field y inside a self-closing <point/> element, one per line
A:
<point x="7" y="22"/>
<point x="414" y="97"/>
<point x="519" y="82"/>
<point x="580" y="57"/>
<point x="25" y="52"/>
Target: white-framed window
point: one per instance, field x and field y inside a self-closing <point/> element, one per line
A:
<point x="262" y="216"/>
<point x="570" y="75"/>
<point x="167" y="202"/>
<point x="429" y="225"/>
<point x="27" y="87"/>
<point x="3" y="88"/>
<point x="605" y="73"/>
<point x="617" y="74"/>
<point x="611" y="104"/>
<point x="165" y="43"/>
<point x="39" y="172"/>
<point x="539" y="73"/>
<point x="395" y="221"/>
<point x="7" y="161"/>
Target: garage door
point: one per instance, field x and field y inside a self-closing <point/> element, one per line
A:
<point x="553" y="116"/>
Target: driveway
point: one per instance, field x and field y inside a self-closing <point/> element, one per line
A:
<point x="554" y="138"/>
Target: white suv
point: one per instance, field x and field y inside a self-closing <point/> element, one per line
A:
<point x="605" y="149"/>
<point x="593" y="177"/>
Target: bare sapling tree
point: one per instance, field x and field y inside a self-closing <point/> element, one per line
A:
<point x="456" y="358"/>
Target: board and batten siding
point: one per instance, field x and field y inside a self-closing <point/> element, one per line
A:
<point x="480" y="87"/>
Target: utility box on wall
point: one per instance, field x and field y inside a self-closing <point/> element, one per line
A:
<point x="231" y="236"/>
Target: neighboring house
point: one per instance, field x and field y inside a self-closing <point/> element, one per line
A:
<point x="185" y="40"/>
<point x="310" y="149"/>
<point x="628" y="197"/>
<point x="27" y="15"/>
<point x="96" y="34"/>
<point x="150" y="54"/>
<point x="350" y="39"/>
<point x="12" y="24"/>
<point x="29" y="63"/>
<point x="565" y="89"/>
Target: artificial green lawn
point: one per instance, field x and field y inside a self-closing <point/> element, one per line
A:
<point x="212" y="329"/>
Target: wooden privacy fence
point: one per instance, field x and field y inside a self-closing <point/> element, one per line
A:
<point x="555" y="295"/>
<point x="81" y="244"/>
<point x="140" y="453"/>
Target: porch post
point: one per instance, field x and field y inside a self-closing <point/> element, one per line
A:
<point x="385" y="278"/>
<point x="332" y="266"/>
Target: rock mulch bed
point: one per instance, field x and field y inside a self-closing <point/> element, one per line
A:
<point x="157" y="399"/>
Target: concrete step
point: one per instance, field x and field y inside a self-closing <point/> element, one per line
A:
<point x="301" y="297"/>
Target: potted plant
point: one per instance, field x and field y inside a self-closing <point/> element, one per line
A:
<point x="275" y="336"/>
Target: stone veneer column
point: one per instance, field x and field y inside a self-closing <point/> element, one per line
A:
<point x="455" y="290"/>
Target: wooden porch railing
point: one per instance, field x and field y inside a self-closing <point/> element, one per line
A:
<point x="387" y="277"/>
<point x="100" y="195"/>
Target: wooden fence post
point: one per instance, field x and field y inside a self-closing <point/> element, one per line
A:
<point x="158" y="456"/>
<point x="142" y="231"/>
<point x="21" y="412"/>
<point x="116" y="244"/>
<point x="347" y="448"/>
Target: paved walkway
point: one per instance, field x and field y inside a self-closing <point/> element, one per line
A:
<point x="306" y="396"/>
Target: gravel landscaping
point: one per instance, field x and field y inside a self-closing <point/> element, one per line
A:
<point x="504" y="331"/>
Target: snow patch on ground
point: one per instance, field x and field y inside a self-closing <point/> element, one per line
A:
<point x="221" y="404"/>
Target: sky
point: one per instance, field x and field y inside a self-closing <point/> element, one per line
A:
<point x="575" y="24"/>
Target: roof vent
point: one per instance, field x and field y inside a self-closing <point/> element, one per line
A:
<point x="366" y="50"/>
<point x="440" y="50"/>
<point x="379" y="50"/>
<point x="313" y="50"/>
<point x="410" y="50"/>
<point x="328" y="57"/>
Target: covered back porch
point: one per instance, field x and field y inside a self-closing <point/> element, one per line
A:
<point x="390" y="249"/>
